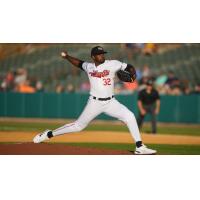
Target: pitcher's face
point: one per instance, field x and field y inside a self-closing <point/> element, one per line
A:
<point x="99" y="58"/>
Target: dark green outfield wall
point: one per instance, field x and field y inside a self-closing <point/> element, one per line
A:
<point x="50" y="105"/>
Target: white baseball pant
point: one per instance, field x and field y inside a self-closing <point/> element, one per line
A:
<point x="94" y="108"/>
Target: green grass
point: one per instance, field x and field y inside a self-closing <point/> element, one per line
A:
<point x="163" y="149"/>
<point x="26" y="126"/>
<point x="164" y="129"/>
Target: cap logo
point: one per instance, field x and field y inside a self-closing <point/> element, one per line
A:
<point x="99" y="48"/>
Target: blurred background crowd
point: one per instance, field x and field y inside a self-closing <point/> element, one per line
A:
<point x="30" y="68"/>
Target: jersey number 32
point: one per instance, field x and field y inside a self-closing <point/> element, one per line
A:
<point x="106" y="81"/>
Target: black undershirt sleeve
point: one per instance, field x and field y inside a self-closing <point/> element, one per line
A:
<point x="80" y="65"/>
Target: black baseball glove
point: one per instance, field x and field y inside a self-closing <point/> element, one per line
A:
<point x="128" y="75"/>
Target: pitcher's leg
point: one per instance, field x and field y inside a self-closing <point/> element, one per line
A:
<point x="68" y="128"/>
<point x="117" y="110"/>
<point x="91" y="110"/>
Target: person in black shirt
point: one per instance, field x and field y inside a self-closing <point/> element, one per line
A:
<point x="148" y="102"/>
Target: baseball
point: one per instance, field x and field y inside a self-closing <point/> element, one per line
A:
<point x="63" y="54"/>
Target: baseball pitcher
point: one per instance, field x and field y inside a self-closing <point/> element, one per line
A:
<point x="101" y="75"/>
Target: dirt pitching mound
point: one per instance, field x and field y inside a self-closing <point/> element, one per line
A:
<point x="55" y="149"/>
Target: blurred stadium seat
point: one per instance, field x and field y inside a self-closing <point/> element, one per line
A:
<point x="44" y="62"/>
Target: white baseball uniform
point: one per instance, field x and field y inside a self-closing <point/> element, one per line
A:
<point x="101" y="79"/>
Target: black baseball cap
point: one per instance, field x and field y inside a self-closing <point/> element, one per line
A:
<point x="97" y="50"/>
<point x="149" y="82"/>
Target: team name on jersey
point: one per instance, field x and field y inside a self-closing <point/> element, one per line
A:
<point x="97" y="74"/>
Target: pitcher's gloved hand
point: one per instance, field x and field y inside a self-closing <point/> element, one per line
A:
<point x="126" y="76"/>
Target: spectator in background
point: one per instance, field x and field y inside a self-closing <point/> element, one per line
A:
<point x="150" y="48"/>
<point x="59" y="88"/>
<point x="8" y="82"/>
<point x="142" y="83"/>
<point x="160" y="83"/>
<point x="25" y="87"/>
<point x="173" y="84"/>
<point x="146" y="71"/>
<point x="171" y="79"/>
<point x="39" y="86"/>
<point x="130" y="87"/>
<point x="175" y="90"/>
<point x="21" y="76"/>
<point x="139" y="47"/>
<point x="161" y="79"/>
<point x="139" y="74"/>
<point x="148" y="102"/>
<point x="3" y="86"/>
<point x="132" y="49"/>
<point x="185" y="87"/>
<point x="196" y="89"/>
<point x="70" y="88"/>
<point x="186" y="90"/>
<point x="85" y="86"/>
<point x="129" y="48"/>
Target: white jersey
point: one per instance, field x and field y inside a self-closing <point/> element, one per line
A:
<point x="101" y="77"/>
